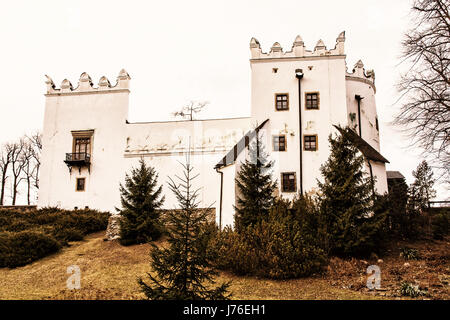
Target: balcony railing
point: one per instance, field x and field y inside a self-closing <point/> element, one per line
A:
<point x="78" y="159"/>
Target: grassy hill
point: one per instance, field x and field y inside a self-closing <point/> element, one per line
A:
<point x="109" y="271"/>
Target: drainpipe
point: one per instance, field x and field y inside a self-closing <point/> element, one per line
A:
<point x="371" y="179"/>
<point x="359" y="98"/>
<point x="299" y="76"/>
<point x="220" y="201"/>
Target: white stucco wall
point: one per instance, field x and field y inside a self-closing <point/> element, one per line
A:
<point x="229" y="197"/>
<point x="117" y="145"/>
<point x="104" y="112"/>
<point x="379" y="176"/>
<point x="164" y="145"/>
<point x="357" y="86"/>
<point x="325" y="75"/>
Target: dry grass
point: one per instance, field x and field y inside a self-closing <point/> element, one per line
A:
<point x="110" y="271"/>
<point x="431" y="272"/>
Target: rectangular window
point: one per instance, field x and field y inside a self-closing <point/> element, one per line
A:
<point x="312" y="100"/>
<point x="279" y="143"/>
<point x="282" y="101"/>
<point x="82" y="144"/>
<point x="80" y="184"/>
<point x="310" y="142"/>
<point x="288" y="182"/>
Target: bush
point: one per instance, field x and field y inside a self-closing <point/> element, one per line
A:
<point x="28" y="236"/>
<point x="273" y="248"/>
<point x="21" y="248"/>
<point x="407" y="289"/>
<point x="440" y="225"/>
<point x="409" y="254"/>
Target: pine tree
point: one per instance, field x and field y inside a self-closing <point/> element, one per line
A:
<point x="184" y="270"/>
<point x="421" y="190"/>
<point x="398" y="200"/>
<point x="141" y="200"/>
<point x="347" y="201"/>
<point x="255" y="187"/>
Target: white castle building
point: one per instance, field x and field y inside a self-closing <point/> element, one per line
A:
<point x="298" y="97"/>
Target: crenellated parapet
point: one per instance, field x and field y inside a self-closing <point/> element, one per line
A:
<point x="85" y="85"/>
<point x="360" y="74"/>
<point x="298" y="49"/>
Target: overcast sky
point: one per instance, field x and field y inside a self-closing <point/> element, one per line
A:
<point x="177" y="51"/>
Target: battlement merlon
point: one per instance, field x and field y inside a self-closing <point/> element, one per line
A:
<point x="86" y="86"/>
<point x="298" y="49"/>
<point x="360" y="74"/>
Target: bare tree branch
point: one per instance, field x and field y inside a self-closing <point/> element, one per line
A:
<point x="191" y="108"/>
<point x="425" y="95"/>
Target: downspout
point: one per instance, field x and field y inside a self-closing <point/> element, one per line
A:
<point x="220" y="201"/>
<point x="299" y="76"/>
<point x="371" y="178"/>
<point x="359" y="98"/>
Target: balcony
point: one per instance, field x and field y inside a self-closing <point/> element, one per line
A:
<point x="79" y="160"/>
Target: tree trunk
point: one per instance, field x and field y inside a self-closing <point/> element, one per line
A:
<point x="14" y="192"/>
<point x="28" y="190"/>
<point x="2" y="191"/>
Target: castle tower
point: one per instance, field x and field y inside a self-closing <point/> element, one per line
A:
<point x="305" y="94"/>
<point x="302" y="92"/>
<point x="83" y="142"/>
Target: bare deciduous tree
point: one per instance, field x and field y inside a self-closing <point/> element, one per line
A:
<point x="29" y="167"/>
<point x="36" y="146"/>
<point x="17" y="166"/>
<point x="5" y="161"/>
<point x="425" y="111"/>
<point x="191" y="108"/>
<point x="20" y="161"/>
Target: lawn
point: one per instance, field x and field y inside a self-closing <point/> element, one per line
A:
<point x="110" y="271"/>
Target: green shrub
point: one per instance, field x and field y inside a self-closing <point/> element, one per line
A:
<point x="86" y="221"/>
<point x="409" y="253"/>
<point x="28" y="236"/>
<point x="440" y="225"/>
<point x="273" y="248"/>
<point x="21" y="248"/>
<point x="65" y="235"/>
<point x="407" y="289"/>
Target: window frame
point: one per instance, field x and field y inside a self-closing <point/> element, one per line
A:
<point x="304" y="142"/>
<point x="282" y="182"/>
<point x="82" y="134"/>
<point x="87" y="145"/>
<point x="84" y="184"/>
<point x="318" y="100"/>
<point x="275" y="136"/>
<point x="287" y="101"/>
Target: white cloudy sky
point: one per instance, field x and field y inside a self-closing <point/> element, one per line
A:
<point x="177" y="51"/>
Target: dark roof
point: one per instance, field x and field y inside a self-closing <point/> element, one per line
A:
<point x="232" y="155"/>
<point x="394" y="175"/>
<point x="366" y="149"/>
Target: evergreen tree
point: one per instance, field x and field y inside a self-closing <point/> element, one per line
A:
<point x="421" y="190"/>
<point x="184" y="270"/>
<point x="398" y="200"/>
<point x="141" y="200"/>
<point x="255" y="187"/>
<point x="347" y="202"/>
